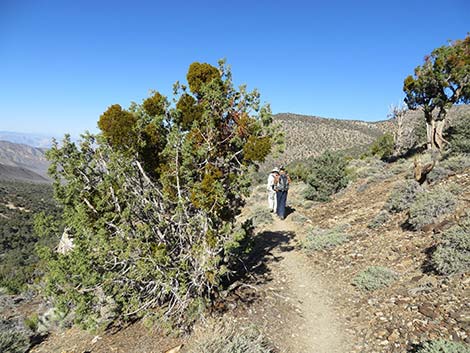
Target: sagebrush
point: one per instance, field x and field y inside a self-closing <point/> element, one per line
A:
<point x="228" y="337"/>
<point x="367" y="167"/>
<point x="14" y="338"/>
<point x="443" y="346"/>
<point x="452" y="254"/>
<point x="379" y="219"/>
<point x="402" y="196"/>
<point x="374" y="277"/>
<point x="261" y="215"/>
<point x="323" y="239"/>
<point x="430" y="206"/>
<point x="456" y="163"/>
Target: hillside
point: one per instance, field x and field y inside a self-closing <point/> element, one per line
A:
<point x="308" y="136"/>
<point x="20" y="202"/>
<point x="11" y="173"/>
<point x="22" y="162"/>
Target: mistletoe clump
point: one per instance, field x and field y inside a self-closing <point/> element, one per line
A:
<point x="150" y="203"/>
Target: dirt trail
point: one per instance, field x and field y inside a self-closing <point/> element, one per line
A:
<point x="317" y="325"/>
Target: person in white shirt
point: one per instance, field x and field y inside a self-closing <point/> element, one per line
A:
<point x="272" y="181"/>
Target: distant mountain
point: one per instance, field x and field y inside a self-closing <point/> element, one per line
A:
<point x="12" y="173"/>
<point x="308" y="136"/>
<point x="34" y="140"/>
<point x="23" y="158"/>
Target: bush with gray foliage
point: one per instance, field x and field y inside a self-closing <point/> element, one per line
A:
<point x="14" y="337"/>
<point x="402" y="196"/>
<point x="430" y="206"/>
<point x="438" y="173"/>
<point x="367" y="167"/>
<point x="452" y="255"/>
<point x="323" y="239"/>
<point x="261" y="215"/>
<point x="230" y="338"/>
<point x="443" y="346"/>
<point x="374" y="277"/>
<point x="379" y="220"/>
<point x="456" y="163"/>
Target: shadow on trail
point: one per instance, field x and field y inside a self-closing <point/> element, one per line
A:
<point x="289" y="210"/>
<point x="253" y="271"/>
<point x="255" y="265"/>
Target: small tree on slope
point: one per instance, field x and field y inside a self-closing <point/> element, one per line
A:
<point x="442" y="80"/>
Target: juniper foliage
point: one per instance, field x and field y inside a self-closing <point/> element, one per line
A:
<point x="151" y="202"/>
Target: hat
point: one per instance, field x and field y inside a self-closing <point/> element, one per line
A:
<point x="275" y="170"/>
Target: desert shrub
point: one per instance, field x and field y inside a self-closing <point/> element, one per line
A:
<point x="379" y="219"/>
<point x="308" y="205"/>
<point x="402" y="196"/>
<point x="323" y="239"/>
<point x="459" y="135"/>
<point x="400" y="166"/>
<point x="32" y="321"/>
<point x="366" y="167"/>
<point x="374" y="277"/>
<point x="452" y="255"/>
<point x="228" y="337"/>
<point x="443" y="346"/>
<point x="383" y="147"/>
<point x="430" y="206"/>
<point x="54" y="319"/>
<point x="13" y="337"/>
<point x="12" y="341"/>
<point x="261" y="215"/>
<point x="438" y="173"/>
<point x="299" y="218"/>
<point x="456" y="163"/>
<point x="327" y="176"/>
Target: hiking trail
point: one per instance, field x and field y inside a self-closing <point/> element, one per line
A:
<point x="315" y="327"/>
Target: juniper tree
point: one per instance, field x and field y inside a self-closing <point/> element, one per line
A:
<point x="157" y="235"/>
<point x="442" y="80"/>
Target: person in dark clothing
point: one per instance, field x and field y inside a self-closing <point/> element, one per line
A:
<point x="282" y="188"/>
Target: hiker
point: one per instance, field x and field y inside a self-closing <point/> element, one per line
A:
<point x="282" y="187"/>
<point x="272" y="181"/>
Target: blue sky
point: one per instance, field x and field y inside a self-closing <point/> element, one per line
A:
<point x="62" y="63"/>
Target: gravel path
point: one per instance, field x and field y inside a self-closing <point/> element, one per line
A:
<point x="319" y="329"/>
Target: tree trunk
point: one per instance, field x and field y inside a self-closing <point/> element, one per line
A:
<point x="438" y="137"/>
<point x="434" y="131"/>
<point x="429" y="134"/>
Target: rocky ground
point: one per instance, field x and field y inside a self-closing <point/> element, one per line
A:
<point x="417" y="307"/>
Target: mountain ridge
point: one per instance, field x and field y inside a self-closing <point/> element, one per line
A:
<point x="23" y="161"/>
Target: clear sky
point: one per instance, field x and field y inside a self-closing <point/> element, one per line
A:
<point x="62" y="63"/>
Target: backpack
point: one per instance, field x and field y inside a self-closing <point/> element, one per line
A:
<point x="283" y="183"/>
